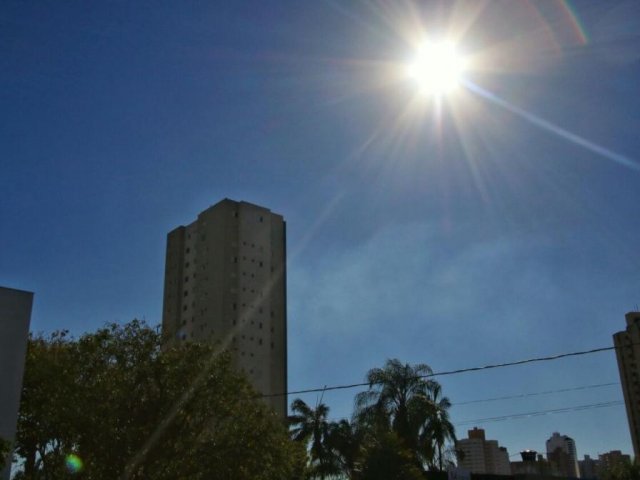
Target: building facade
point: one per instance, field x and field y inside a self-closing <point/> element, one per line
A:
<point x="627" y="343"/>
<point x="225" y="282"/>
<point x="562" y="454"/>
<point x="15" y="316"/>
<point x="479" y="455"/>
<point x="589" y="467"/>
<point x="613" y="458"/>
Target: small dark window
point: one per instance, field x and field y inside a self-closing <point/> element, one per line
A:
<point x="186" y="293"/>
<point x="188" y="250"/>
<point x="261" y="219"/>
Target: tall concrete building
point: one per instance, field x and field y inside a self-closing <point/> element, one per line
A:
<point x="15" y="316"/>
<point x="627" y="345"/>
<point x="225" y="282"/>
<point x="480" y="455"/>
<point x="561" y="453"/>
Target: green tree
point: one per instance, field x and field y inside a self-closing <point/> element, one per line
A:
<point x="437" y="428"/>
<point x="401" y="400"/>
<point x="397" y="397"/>
<point x="345" y="441"/>
<point x="129" y="409"/>
<point x="621" y="471"/>
<point x="5" y="450"/>
<point x="386" y="457"/>
<point x="311" y="427"/>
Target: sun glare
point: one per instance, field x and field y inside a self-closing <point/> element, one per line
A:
<point x="437" y="68"/>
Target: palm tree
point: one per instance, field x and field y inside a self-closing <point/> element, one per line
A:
<point x="397" y="398"/>
<point x="345" y="441"/>
<point x="311" y="426"/>
<point x="437" y="428"/>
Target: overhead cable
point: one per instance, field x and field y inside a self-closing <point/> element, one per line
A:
<point x="449" y="372"/>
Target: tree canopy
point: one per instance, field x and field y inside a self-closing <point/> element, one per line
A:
<point x="114" y="404"/>
<point x="400" y="427"/>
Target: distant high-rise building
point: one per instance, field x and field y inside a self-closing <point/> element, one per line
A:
<point x="588" y="467"/>
<point x="225" y="282"/>
<point x="532" y="464"/>
<point x="561" y="453"/>
<point x="627" y="345"/>
<point x="15" y="316"/>
<point x="479" y="455"/>
<point x="611" y="459"/>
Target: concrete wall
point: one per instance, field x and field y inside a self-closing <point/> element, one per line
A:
<point x="15" y="315"/>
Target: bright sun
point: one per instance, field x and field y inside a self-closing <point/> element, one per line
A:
<point x="437" y="68"/>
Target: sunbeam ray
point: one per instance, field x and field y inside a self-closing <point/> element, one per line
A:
<point x="553" y="128"/>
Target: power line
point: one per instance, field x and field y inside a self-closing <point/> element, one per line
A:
<point x="449" y="372"/>
<point x="534" y="394"/>
<point x="541" y="412"/>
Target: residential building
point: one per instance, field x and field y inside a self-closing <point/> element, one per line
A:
<point x="225" y="283"/>
<point x="532" y="464"/>
<point x="480" y="455"/>
<point x="589" y="467"/>
<point x="561" y="453"/>
<point x="15" y="316"/>
<point x="611" y="459"/>
<point x="627" y="343"/>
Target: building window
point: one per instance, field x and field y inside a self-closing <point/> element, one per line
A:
<point x="186" y="293"/>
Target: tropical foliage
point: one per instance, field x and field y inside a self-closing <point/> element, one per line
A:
<point x="113" y="404"/>
<point x="5" y="449"/>
<point x="400" y="428"/>
<point x="621" y="470"/>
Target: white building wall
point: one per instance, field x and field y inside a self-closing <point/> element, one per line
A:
<point x="15" y="316"/>
<point x="225" y="283"/>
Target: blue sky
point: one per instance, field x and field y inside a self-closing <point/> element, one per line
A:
<point x="457" y="235"/>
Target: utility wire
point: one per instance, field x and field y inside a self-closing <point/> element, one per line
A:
<point x="449" y="372"/>
<point x="541" y="412"/>
<point x="523" y="395"/>
<point x="534" y="394"/>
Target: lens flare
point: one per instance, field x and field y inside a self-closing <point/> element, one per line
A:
<point x="74" y="463"/>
